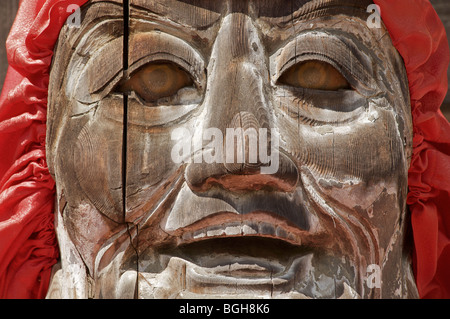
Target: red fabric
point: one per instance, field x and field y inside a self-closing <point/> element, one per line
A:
<point x="419" y="36"/>
<point x="28" y="247"/>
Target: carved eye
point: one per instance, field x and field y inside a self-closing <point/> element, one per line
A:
<point x="157" y="80"/>
<point x="316" y="75"/>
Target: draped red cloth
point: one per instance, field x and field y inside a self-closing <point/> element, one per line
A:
<point x="28" y="246"/>
<point x="419" y="36"/>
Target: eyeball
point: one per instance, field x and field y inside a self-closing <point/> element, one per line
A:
<point x="157" y="80"/>
<point x="314" y="74"/>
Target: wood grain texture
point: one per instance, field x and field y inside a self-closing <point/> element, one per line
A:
<point x="138" y="224"/>
<point x="10" y="7"/>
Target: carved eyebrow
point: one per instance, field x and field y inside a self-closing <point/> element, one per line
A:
<point x="156" y="45"/>
<point x="301" y="10"/>
<point x="199" y="14"/>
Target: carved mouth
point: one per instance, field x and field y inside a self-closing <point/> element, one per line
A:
<point x="226" y="253"/>
<point x="254" y="246"/>
<point x="231" y="247"/>
<point x="242" y="256"/>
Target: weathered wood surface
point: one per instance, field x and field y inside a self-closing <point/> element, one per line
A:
<point x="9" y="9"/>
<point x="134" y="222"/>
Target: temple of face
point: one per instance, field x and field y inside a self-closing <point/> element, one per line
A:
<point x="306" y="85"/>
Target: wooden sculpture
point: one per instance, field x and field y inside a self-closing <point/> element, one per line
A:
<point x="230" y="149"/>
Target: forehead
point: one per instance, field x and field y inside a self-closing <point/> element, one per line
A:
<point x="200" y="13"/>
<point x="278" y="12"/>
<point x="198" y="21"/>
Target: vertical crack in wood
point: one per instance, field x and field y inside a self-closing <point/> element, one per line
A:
<point x="126" y="32"/>
<point x="125" y="106"/>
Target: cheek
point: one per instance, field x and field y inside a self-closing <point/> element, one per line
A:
<point x="354" y="172"/>
<point x="97" y="162"/>
<point x="346" y="160"/>
<point x="150" y="169"/>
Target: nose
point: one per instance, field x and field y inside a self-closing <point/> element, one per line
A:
<point x="238" y="104"/>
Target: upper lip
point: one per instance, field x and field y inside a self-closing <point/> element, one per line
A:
<point x="277" y="208"/>
<point x="230" y="224"/>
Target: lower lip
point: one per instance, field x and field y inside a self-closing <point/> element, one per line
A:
<point x="265" y="253"/>
<point x="188" y="280"/>
<point x="247" y="262"/>
<point x="241" y="270"/>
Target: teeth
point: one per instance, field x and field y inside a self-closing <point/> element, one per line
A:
<point x="280" y="232"/>
<point x="214" y="232"/>
<point x="198" y="235"/>
<point x="245" y="228"/>
<point x="233" y="230"/>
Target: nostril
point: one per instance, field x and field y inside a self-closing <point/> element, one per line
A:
<point x="196" y="175"/>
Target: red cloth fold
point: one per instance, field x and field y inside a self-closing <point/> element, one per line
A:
<point x="419" y="36"/>
<point x="28" y="248"/>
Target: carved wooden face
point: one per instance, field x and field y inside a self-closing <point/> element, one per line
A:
<point x="248" y="148"/>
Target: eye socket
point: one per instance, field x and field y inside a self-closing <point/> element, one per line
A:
<point x="316" y="75"/>
<point x="157" y="80"/>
